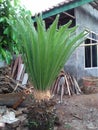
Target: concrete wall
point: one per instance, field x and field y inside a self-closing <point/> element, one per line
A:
<point x="86" y="17"/>
<point x="2" y="64"/>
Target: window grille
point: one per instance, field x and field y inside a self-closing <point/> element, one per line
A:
<point x="91" y="50"/>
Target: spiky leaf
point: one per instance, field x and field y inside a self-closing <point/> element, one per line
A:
<point x="45" y="51"/>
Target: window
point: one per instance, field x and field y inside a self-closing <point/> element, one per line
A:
<point x="91" y="50"/>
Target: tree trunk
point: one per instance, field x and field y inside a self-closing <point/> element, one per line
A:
<point x="42" y="95"/>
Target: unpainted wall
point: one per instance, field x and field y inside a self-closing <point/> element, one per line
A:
<point x="2" y="64"/>
<point x="86" y="17"/>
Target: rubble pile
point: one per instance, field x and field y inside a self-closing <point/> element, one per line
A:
<point x="7" y="83"/>
<point x="11" y="119"/>
<point x="6" y="86"/>
<point x="12" y="96"/>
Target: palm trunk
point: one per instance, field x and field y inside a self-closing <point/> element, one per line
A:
<point x="42" y="95"/>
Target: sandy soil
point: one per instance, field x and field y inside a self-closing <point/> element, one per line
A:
<point x="78" y="112"/>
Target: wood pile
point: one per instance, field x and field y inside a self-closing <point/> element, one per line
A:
<point x="14" y="78"/>
<point x="18" y="71"/>
<point x="5" y="71"/>
<point x="12" y="92"/>
<point x="8" y="84"/>
<point x="65" y="84"/>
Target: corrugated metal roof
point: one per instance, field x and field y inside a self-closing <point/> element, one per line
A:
<point x="95" y="4"/>
<point x="66" y="2"/>
<point x="64" y="6"/>
<point x="59" y="4"/>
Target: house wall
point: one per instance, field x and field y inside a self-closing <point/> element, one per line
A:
<point x="86" y="17"/>
<point x="2" y="64"/>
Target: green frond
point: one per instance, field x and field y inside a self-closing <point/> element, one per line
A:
<point x="45" y="51"/>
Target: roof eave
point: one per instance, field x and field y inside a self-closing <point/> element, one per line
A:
<point x="65" y="7"/>
<point x="95" y="4"/>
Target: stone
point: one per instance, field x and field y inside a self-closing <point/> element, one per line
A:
<point x="14" y="124"/>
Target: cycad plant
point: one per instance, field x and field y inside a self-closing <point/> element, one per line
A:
<point x="45" y="51"/>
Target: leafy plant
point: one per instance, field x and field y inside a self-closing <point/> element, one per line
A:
<point x="45" y="51"/>
<point x="7" y="43"/>
<point x="68" y="126"/>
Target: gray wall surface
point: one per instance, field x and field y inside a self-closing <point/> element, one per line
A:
<point x="86" y="17"/>
<point x="2" y="64"/>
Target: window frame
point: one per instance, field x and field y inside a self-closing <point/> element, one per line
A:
<point x="90" y="37"/>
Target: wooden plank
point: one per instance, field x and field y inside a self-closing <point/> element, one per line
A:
<point x="67" y="85"/>
<point x="21" y="67"/>
<point x="25" y="79"/>
<point x="14" y="67"/>
<point x="11" y="98"/>
<point x="62" y="93"/>
<point x="22" y="75"/>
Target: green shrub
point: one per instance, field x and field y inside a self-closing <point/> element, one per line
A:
<point x="45" y="51"/>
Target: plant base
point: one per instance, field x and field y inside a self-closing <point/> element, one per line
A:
<point x="42" y="95"/>
<point x="41" y="127"/>
<point x="41" y="116"/>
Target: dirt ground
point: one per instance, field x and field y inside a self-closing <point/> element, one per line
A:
<point x="78" y="112"/>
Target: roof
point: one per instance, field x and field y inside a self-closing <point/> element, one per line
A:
<point x="66" y="5"/>
<point x="59" y="4"/>
<point x="95" y="4"/>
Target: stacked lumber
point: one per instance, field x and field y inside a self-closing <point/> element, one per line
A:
<point x="18" y="73"/>
<point x="5" y="71"/>
<point x="14" y="78"/>
<point x="6" y="85"/>
<point x="65" y="84"/>
<point x="12" y="93"/>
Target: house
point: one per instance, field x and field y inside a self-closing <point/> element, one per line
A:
<point x="84" y="13"/>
